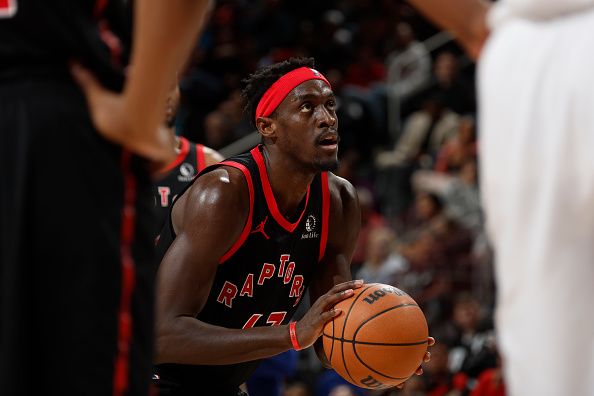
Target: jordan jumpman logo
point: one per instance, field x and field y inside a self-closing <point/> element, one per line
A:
<point x="260" y="228"/>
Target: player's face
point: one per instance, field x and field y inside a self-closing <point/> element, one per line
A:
<point x="308" y="126"/>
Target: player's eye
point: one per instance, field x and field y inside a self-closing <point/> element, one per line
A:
<point x="306" y="107"/>
<point x="331" y="104"/>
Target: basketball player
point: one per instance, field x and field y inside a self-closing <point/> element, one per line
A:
<point x="76" y="280"/>
<point x="537" y="132"/>
<point x="251" y="235"/>
<point x="190" y="160"/>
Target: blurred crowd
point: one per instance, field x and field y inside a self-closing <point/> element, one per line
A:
<point x="422" y="224"/>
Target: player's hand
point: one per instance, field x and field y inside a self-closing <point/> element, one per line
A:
<point x="426" y="358"/>
<point x="310" y="327"/>
<point x="116" y="124"/>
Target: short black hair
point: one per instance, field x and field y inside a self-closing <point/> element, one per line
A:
<point x="258" y="82"/>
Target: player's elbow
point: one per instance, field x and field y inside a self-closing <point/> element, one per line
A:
<point x="167" y="339"/>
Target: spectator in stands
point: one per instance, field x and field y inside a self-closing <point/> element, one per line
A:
<point x="427" y="208"/>
<point x="424" y="133"/>
<point x="383" y="264"/>
<point x="490" y="382"/>
<point x="371" y="219"/>
<point x="458" y="92"/>
<point x="439" y="380"/>
<point x="474" y="350"/>
<point x="409" y="64"/>
<point x="459" y="148"/>
<point x="462" y="197"/>
<point x="365" y="70"/>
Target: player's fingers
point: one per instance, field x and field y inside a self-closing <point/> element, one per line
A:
<point x="353" y="284"/>
<point x="427" y="357"/>
<point x="431" y="341"/>
<point x="329" y="300"/>
<point x="330" y="314"/>
<point x="419" y="371"/>
<point x="400" y="386"/>
<point x="85" y="79"/>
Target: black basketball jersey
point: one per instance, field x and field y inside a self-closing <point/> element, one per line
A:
<point x="176" y="176"/>
<point x="261" y="279"/>
<point x="40" y="37"/>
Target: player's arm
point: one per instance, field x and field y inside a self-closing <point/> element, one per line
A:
<point x="208" y="219"/>
<point x="343" y="231"/>
<point x="465" y="19"/>
<point x="164" y="33"/>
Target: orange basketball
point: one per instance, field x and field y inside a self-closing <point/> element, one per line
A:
<point x="379" y="339"/>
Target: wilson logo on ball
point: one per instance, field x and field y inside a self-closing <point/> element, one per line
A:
<point x="376" y="295"/>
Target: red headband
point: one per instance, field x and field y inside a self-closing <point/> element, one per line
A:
<point x="281" y="88"/>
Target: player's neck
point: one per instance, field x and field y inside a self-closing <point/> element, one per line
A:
<point x="288" y="181"/>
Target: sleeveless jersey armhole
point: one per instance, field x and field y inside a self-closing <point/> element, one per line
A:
<point x="325" y="214"/>
<point x="200" y="160"/>
<point x="248" y="223"/>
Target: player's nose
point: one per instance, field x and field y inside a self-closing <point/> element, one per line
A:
<point x="326" y="119"/>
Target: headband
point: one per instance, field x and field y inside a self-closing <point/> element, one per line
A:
<point x="281" y="88"/>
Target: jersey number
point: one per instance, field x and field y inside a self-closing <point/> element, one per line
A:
<point x="274" y="319"/>
<point x="8" y="8"/>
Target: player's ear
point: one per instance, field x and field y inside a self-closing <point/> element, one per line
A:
<point x="266" y="126"/>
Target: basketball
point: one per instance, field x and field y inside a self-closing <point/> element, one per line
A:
<point x="380" y="338"/>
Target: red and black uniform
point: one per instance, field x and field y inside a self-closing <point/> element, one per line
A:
<point x="175" y="177"/>
<point x="76" y="212"/>
<point x="261" y="279"/>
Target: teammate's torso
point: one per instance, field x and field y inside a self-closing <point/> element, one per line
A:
<point x="40" y="37"/>
<point x="261" y="279"/>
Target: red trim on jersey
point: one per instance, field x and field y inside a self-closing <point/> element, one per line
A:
<point x="248" y="223"/>
<point x="112" y="42"/>
<point x="128" y="271"/>
<point x="325" y="214"/>
<point x="109" y="38"/>
<point x="99" y="7"/>
<point x="7" y="8"/>
<point x="271" y="202"/>
<point x="200" y="160"/>
<point x="185" y="148"/>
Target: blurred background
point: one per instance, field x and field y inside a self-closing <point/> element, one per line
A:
<point x="406" y="107"/>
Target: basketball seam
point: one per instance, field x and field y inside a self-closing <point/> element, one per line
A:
<point x="344" y="327"/>
<point x="381" y="313"/>
<point x="367" y="320"/>
<point x="332" y="347"/>
<point x="375" y="343"/>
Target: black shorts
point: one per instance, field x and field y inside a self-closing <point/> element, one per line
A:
<point x="76" y="270"/>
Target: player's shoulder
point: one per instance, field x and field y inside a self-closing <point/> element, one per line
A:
<point x="341" y="189"/>
<point x="221" y="187"/>
<point x="222" y="179"/>
<point x="345" y="213"/>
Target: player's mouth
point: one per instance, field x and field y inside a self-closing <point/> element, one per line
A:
<point x="329" y="141"/>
